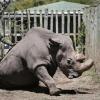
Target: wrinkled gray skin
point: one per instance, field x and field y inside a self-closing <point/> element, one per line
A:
<point x="36" y="57"/>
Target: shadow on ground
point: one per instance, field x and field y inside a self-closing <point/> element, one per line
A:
<point x="45" y="90"/>
<point x="70" y="92"/>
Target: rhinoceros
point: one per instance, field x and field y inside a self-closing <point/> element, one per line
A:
<point x="36" y="58"/>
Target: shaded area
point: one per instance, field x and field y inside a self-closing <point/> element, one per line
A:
<point x="78" y="89"/>
<point x="44" y="90"/>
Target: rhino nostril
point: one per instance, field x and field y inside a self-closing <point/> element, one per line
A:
<point x="69" y="61"/>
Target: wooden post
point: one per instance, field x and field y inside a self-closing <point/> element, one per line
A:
<point x="51" y="23"/>
<point x="79" y="21"/>
<point x="22" y="25"/>
<point x="9" y="27"/>
<point x="46" y="19"/>
<point x="9" y="23"/>
<point x="74" y="26"/>
<point x="2" y="50"/>
<point x="3" y="33"/>
<point x="41" y="22"/>
<point x="4" y="26"/>
<point x="74" y="21"/>
<point x="68" y="22"/>
<point x="28" y="18"/>
<point x="56" y="21"/>
<point x="1" y="30"/>
<point x="63" y="22"/>
<point x="15" y="27"/>
<point x="35" y="18"/>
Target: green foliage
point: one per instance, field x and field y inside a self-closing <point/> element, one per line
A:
<point x="20" y="5"/>
<point x="5" y="40"/>
<point x="81" y="38"/>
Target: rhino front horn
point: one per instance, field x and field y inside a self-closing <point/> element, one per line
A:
<point x="86" y="65"/>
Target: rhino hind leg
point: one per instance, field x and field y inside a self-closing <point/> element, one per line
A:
<point x="14" y="74"/>
<point x="10" y="64"/>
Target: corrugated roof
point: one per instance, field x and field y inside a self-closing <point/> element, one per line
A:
<point x="62" y="5"/>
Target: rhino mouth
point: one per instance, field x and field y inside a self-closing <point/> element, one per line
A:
<point x="73" y="74"/>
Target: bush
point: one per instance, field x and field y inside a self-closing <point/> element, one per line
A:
<point x="81" y="38"/>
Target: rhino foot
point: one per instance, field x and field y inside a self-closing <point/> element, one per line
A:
<point x="55" y="92"/>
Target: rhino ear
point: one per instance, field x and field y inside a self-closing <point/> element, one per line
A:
<point x="55" y="41"/>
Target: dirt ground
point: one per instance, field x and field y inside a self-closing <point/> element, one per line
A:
<point x="83" y="88"/>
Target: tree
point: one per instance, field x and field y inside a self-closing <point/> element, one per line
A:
<point x="20" y="4"/>
<point x="3" y="6"/>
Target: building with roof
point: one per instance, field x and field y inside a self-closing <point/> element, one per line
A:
<point x="60" y="6"/>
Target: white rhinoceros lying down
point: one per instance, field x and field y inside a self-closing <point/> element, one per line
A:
<point x="36" y="58"/>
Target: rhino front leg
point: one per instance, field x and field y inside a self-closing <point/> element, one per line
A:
<point x="43" y="75"/>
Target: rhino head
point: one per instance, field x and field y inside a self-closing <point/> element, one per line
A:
<point x="71" y="63"/>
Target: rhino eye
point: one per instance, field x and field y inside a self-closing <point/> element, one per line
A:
<point x="63" y="49"/>
<point x="69" y="61"/>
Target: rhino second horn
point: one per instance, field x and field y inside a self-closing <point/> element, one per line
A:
<point x="86" y="65"/>
<point x="80" y="57"/>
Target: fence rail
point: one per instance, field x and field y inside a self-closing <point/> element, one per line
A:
<point x="16" y="24"/>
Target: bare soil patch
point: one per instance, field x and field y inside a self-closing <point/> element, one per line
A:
<point x="83" y="88"/>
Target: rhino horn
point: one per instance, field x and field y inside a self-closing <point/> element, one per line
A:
<point x="80" y="57"/>
<point x="86" y="65"/>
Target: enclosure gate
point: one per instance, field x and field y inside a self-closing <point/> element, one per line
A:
<point x="16" y="24"/>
